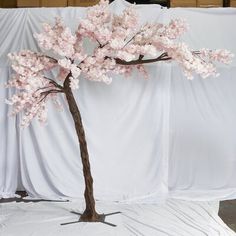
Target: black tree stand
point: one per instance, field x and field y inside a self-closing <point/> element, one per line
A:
<point x="101" y="218"/>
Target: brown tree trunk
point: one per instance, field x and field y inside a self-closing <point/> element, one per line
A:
<point x="90" y="214"/>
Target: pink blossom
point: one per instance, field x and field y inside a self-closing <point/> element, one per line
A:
<point x="62" y="74"/>
<point x="125" y="55"/>
<point x="220" y="55"/>
<point x="75" y="71"/>
<point x="74" y="83"/>
<point x="65" y="63"/>
<point x="57" y="38"/>
<point x="121" y="46"/>
<point x="175" y="28"/>
<point x="142" y="70"/>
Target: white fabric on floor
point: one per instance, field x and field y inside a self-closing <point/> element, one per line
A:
<point x="147" y="139"/>
<point x="175" y="218"/>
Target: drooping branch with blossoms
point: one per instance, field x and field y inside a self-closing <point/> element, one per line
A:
<point x="120" y="45"/>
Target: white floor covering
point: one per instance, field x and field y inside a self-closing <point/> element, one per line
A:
<point x="173" y="218"/>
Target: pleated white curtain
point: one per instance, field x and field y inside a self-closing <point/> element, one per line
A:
<point x="147" y="139"/>
<point x="11" y="39"/>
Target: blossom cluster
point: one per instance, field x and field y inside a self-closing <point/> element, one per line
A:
<point x="29" y="79"/>
<point x="119" y="45"/>
<point x="220" y="55"/>
<point x="57" y="38"/>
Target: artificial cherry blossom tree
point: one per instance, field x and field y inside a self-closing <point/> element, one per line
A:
<point x="120" y="46"/>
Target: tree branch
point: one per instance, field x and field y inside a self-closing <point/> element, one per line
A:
<point x="54" y="83"/>
<point x="46" y="93"/>
<point x="162" y="57"/>
<point x="131" y="39"/>
<point x="51" y="58"/>
<point x="43" y="88"/>
<point x="52" y="91"/>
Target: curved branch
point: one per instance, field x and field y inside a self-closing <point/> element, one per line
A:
<point x="42" y="88"/>
<point x="46" y="93"/>
<point x="131" y="39"/>
<point x="53" y="82"/>
<point x="52" y="91"/>
<point x="51" y="58"/>
<point x="196" y="52"/>
<point x="163" y="57"/>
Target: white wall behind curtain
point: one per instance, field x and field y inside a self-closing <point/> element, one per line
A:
<point x="147" y="139"/>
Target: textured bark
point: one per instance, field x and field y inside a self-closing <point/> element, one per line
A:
<point x="90" y="214"/>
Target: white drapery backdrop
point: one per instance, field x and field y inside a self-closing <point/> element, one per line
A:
<point x="147" y="139"/>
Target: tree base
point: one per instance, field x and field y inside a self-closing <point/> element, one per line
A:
<point x="99" y="218"/>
